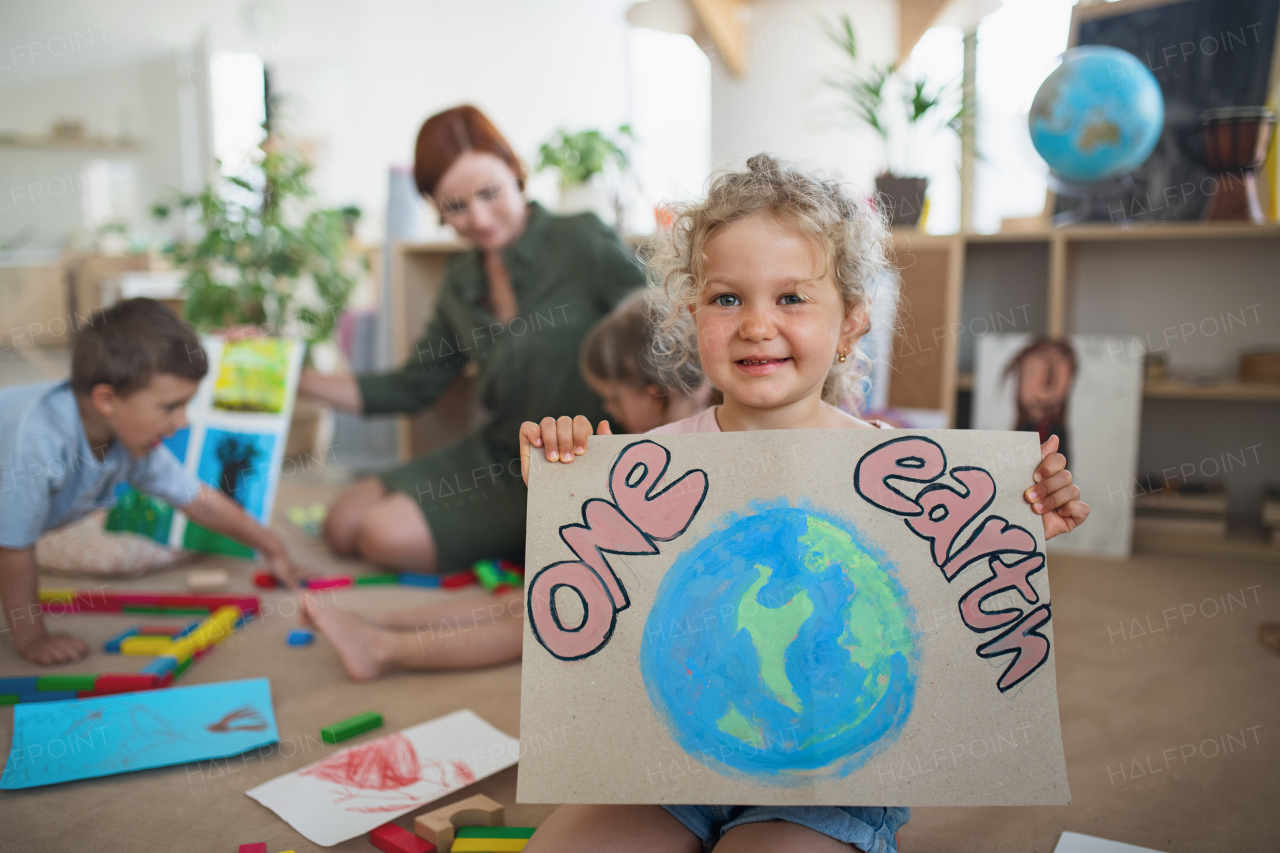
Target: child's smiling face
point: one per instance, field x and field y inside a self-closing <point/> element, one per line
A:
<point x="771" y="319"/>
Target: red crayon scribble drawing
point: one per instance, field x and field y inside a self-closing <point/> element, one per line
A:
<point x="373" y="776"/>
<point x="243" y="719"/>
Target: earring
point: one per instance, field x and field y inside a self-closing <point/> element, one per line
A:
<point x="843" y="357"/>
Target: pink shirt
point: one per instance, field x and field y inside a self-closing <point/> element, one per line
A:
<point x="705" y="421"/>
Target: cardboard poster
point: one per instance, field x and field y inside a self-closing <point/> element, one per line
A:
<point x="834" y="617"/>
<point x="239" y="425"/>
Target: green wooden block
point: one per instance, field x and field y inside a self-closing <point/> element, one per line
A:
<point x="65" y="682"/>
<point x="494" y="832"/>
<point x="351" y="727"/>
<point x="378" y="580"/>
<point x="9" y="699"/>
<point x="183" y="667"/>
<point x="166" y="611"/>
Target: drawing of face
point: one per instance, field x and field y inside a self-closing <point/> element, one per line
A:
<point x="769" y="320"/>
<point x="1044" y="380"/>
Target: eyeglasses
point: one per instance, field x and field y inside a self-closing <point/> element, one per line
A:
<point x="456" y="209"/>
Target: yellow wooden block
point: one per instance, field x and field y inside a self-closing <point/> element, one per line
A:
<point x="183" y="650"/>
<point x="47" y="595"/>
<point x="146" y="646"/>
<point x="488" y="845"/>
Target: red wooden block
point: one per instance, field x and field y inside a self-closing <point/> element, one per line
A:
<point x="122" y="683"/>
<point x="260" y="847"/>
<point x="395" y="839"/>
<point x="459" y="579"/>
<point x="159" y="630"/>
<point x="262" y="580"/>
<point x="327" y="583"/>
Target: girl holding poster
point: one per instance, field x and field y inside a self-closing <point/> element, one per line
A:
<point x="764" y="283"/>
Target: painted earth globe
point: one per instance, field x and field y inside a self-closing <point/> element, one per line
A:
<point x="781" y="647"/>
<point x="1097" y="116"/>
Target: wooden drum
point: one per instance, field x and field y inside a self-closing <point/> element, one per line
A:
<point x="1235" y="143"/>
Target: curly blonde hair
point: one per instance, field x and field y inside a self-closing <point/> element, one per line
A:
<point x="853" y="237"/>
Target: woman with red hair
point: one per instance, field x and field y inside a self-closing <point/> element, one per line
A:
<point x="520" y="301"/>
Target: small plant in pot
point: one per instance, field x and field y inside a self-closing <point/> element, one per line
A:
<point x="904" y="112"/>
<point x="583" y="160"/>
<point x="263" y="254"/>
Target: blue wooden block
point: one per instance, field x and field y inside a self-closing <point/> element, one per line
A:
<point x="161" y="666"/>
<point x="19" y="684"/>
<point x="301" y="637"/>
<point x="47" y="696"/>
<point x="113" y="645"/>
<point x="187" y="629"/>
<point x="413" y="579"/>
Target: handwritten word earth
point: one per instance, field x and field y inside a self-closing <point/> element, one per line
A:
<point x="939" y="513"/>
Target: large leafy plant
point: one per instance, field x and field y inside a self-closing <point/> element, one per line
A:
<point x="578" y="156"/>
<point x="264" y="255"/>
<point x="903" y="111"/>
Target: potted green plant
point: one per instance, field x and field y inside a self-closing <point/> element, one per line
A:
<point x="582" y="159"/>
<point x="902" y="111"/>
<point x="264" y="255"/>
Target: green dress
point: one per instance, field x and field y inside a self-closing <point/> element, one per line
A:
<point x="567" y="273"/>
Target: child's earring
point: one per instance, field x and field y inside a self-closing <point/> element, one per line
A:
<point x="844" y="356"/>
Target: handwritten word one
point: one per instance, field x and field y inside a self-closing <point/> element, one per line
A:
<point x="638" y="517"/>
<point x="939" y="513"/>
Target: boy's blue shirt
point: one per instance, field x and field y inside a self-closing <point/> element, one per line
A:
<point x="49" y="476"/>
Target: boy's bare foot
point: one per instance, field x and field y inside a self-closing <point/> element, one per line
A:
<point x="54" y="649"/>
<point x="364" y="648"/>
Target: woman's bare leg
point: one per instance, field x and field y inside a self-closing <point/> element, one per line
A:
<point x="779" y="836"/>
<point x="343" y="519"/>
<point x="452" y="634"/>
<point x="394" y="533"/>
<point x="618" y="829"/>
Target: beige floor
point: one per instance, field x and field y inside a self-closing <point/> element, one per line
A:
<point x="1123" y="699"/>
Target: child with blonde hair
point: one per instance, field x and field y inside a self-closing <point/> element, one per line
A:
<point x="764" y="284"/>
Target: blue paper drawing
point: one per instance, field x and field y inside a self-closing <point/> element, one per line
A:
<point x="62" y="741"/>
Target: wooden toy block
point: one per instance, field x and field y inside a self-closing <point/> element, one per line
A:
<point x="525" y="832"/>
<point x="378" y="580"/>
<point x="458" y="579"/>
<point x="161" y="666"/>
<point x="413" y="579"/>
<point x="9" y="698"/>
<point x="438" y="826"/>
<point x="263" y="580"/>
<point x="113" y="645"/>
<point x="143" y="610"/>
<point x="47" y="696"/>
<point x="110" y="683"/>
<point x="300" y="637"/>
<point x="146" y="646"/>
<point x="327" y="583"/>
<point x="350" y="727"/>
<point x="208" y="579"/>
<point x="395" y="839"/>
<point x="57" y="595"/>
<point x="19" y="684"/>
<point x="65" y="682"/>
<point x="182" y="649"/>
<point x="488" y="845"/>
<point x="260" y="847"/>
<point x="157" y="630"/>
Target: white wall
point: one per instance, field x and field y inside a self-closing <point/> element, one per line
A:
<point x="781" y="106"/>
<point x="364" y="76"/>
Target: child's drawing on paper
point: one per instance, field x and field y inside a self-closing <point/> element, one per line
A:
<point x="781" y="646"/>
<point x="236" y="464"/>
<point x="376" y="777"/>
<point x="253" y="375"/>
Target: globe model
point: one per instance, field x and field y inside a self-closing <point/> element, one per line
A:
<point x="781" y="647"/>
<point x="1098" y="115"/>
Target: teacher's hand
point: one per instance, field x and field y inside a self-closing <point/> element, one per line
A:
<point x="563" y="438"/>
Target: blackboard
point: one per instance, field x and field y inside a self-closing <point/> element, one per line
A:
<point x="1204" y="54"/>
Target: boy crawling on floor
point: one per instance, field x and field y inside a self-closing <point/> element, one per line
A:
<point x="65" y="446"/>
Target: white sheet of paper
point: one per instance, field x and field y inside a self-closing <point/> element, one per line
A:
<point x="370" y="783"/>
<point x="1074" y="842"/>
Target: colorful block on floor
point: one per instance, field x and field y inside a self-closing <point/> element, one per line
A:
<point x="351" y="727"/>
<point x="488" y="845"/>
<point x="439" y="826"/>
<point x="260" y="847"/>
<point x="65" y="682"/>
<point x="208" y="579"/>
<point x="300" y="637"/>
<point x="394" y="839"/>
